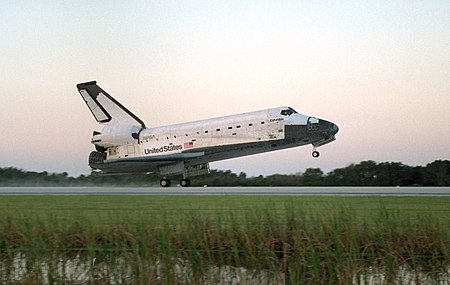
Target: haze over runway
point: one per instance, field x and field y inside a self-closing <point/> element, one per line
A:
<point x="379" y="69"/>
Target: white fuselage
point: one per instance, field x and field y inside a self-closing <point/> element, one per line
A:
<point x="242" y="129"/>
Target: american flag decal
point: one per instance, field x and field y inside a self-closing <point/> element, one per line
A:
<point x="188" y="145"/>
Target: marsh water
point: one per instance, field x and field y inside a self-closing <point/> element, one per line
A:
<point x="81" y="270"/>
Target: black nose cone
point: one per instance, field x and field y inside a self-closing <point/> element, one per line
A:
<point x="334" y="129"/>
<point x="329" y="127"/>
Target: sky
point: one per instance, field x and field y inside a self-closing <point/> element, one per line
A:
<point x="380" y="70"/>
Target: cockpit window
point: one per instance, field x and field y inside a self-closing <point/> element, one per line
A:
<point x="313" y="121"/>
<point x="288" y="112"/>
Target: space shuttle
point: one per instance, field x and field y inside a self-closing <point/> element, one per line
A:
<point x="126" y="145"/>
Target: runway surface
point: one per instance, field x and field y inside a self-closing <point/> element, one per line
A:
<point x="297" y="191"/>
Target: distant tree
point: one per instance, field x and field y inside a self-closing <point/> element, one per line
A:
<point x="313" y="177"/>
<point x="369" y="173"/>
<point x="366" y="173"/>
<point x="437" y="173"/>
<point x="283" y="180"/>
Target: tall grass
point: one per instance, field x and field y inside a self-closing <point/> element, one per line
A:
<point x="211" y="240"/>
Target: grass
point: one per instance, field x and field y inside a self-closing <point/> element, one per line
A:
<point x="181" y="239"/>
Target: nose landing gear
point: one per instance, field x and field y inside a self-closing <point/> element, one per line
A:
<point x="315" y="153"/>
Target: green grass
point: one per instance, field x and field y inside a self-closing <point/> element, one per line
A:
<point x="304" y="239"/>
<point x="100" y="208"/>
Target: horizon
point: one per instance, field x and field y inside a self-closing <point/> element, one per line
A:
<point x="325" y="173"/>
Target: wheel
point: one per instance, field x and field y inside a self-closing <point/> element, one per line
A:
<point x="185" y="182"/>
<point x="315" y="154"/>
<point x="164" y="182"/>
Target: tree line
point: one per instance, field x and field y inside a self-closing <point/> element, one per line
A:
<point x="365" y="173"/>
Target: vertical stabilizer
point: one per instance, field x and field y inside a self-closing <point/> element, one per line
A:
<point x="106" y="109"/>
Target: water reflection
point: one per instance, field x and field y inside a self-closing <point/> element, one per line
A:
<point x="82" y="270"/>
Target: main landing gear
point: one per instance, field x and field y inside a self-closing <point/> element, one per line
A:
<point x="165" y="182"/>
<point x="185" y="182"/>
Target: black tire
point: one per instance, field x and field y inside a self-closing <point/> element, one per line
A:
<point x="164" y="182"/>
<point x="185" y="182"/>
<point x="315" y="154"/>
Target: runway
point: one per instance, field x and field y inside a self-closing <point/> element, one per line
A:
<point x="284" y="191"/>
